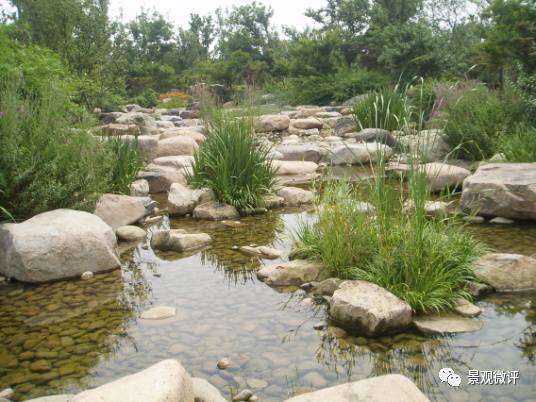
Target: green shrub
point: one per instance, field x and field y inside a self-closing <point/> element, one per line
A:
<point x="519" y="145"/>
<point x="474" y="123"/>
<point x="149" y="98"/>
<point x="49" y="159"/>
<point x="125" y="163"/>
<point x="387" y="109"/>
<point x="425" y="262"/>
<point x="232" y="163"/>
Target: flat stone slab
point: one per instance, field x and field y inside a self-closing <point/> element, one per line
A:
<point x="159" y="313"/>
<point x="130" y="233"/>
<point x="262" y="252"/>
<point x="295" y="272"/>
<point x="445" y="324"/>
<point x="466" y="308"/>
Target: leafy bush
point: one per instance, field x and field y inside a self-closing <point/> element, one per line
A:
<point x="524" y="85"/>
<point x="425" y="262"/>
<point x="519" y="145"/>
<point x="474" y="123"/>
<point x="49" y="160"/>
<point x="387" y="109"/>
<point x="124" y="161"/>
<point x="321" y="90"/>
<point x="232" y="163"/>
<point x="149" y="98"/>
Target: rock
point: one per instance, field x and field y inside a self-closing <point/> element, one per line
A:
<point x="441" y="176"/>
<point x="466" y="308"/>
<point x="139" y="188"/>
<point x="253" y="398"/>
<point x="119" y="210"/>
<point x="183" y="131"/>
<point x="427" y="145"/>
<point x="53" y="398"/>
<point x="206" y="392"/>
<point x="326" y="287"/>
<point x="114" y="129"/>
<point x="180" y="145"/>
<point x="147" y="145"/>
<point x="307" y="123"/>
<point x="177" y="161"/>
<point x="502" y="189"/>
<point x="158" y="313"/>
<point x="271" y="122"/>
<point x="301" y="152"/>
<point x="243" y="395"/>
<point x="273" y="201"/>
<point x="290" y="273"/>
<point x="356" y="154"/>
<point x="313" y="379"/>
<point x="224" y="363"/>
<point x="146" y="123"/>
<point x="294" y="167"/>
<point x="387" y="388"/>
<point x="479" y="289"/>
<point x="444" y="324"/>
<point x="160" y="178"/>
<point x="355" y="100"/>
<point x="7" y="393"/>
<point x="501" y="221"/>
<point x="57" y="245"/>
<point x="177" y="240"/>
<point x="506" y="272"/>
<point x="474" y="220"/>
<point x="215" y="211"/>
<point x="369" y="309"/>
<point x="295" y="196"/>
<point x="190" y="114"/>
<point x="166" y="381"/>
<point x="130" y="233"/>
<point x="375" y="135"/>
<point x="256" y="383"/>
<point x="262" y="252"/>
<point x="86" y="276"/>
<point x="180" y="200"/>
<point x="344" y="125"/>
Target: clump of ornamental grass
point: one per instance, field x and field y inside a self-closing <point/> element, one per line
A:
<point x="232" y="162"/>
<point x="519" y="145"/>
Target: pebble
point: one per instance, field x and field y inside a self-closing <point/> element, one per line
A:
<point x="307" y="302"/>
<point x="86" y="276"/>
<point x="253" y="398"/>
<point x="473" y="219"/>
<point x="319" y="326"/>
<point x="466" y="308"/>
<point x="502" y="221"/>
<point x="243" y="395"/>
<point x="158" y="313"/>
<point x="224" y="363"/>
<point x="7" y="393"/>
<point x="231" y="224"/>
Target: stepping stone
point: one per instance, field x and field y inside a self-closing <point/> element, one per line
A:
<point x="159" y="313"/>
<point x="446" y="324"/>
<point x="466" y="308"/>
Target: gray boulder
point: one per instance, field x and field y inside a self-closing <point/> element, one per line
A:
<point x="180" y="145"/>
<point x="161" y="177"/>
<point x="178" y="240"/>
<point x="506" y="272"/>
<point x="369" y="309"/>
<point x="120" y="210"/>
<point x="57" y="245"/>
<point x="502" y="189"/>
<point x="206" y="392"/>
<point x="215" y="211"/>
<point x="444" y="324"/>
<point x="295" y="196"/>
<point x="271" y="122"/>
<point x="146" y="123"/>
<point x="356" y="154"/>
<point x="295" y="272"/>
<point x="301" y="152"/>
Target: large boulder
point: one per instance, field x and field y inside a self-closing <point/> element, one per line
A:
<point x="146" y="123"/>
<point x="180" y="200"/>
<point x="271" y="122"/>
<point x="375" y="135"/>
<point x="215" y="211"/>
<point x="180" y="145"/>
<point x="57" y="245"/>
<point x="294" y="167"/>
<point x="507" y="271"/>
<point x="166" y="381"/>
<point x="441" y="176"/>
<point x="178" y="161"/>
<point x="146" y="144"/>
<point x="115" y="129"/>
<point x="183" y="131"/>
<point x="356" y="154"/>
<point x="295" y="196"/>
<point x="120" y="210"/>
<point x="178" y="240"/>
<point x="386" y="388"/>
<point x="161" y="177"/>
<point x="139" y="188"/>
<point x="206" y="392"/>
<point x="301" y="152"/>
<point x="295" y="272"/>
<point x="502" y="189"/>
<point x="369" y="309"/>
<point x="429" y="145"/>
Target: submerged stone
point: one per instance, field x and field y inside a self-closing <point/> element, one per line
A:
<point x="158" y="313"/>
<point x="444" y="324"/>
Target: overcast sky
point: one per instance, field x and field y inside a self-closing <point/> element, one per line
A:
<point x="286" y="12"/>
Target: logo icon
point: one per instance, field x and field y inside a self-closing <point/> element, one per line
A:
<point x="450" y="377"/>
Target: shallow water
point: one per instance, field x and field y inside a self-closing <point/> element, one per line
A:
<point x="67" y="336"/>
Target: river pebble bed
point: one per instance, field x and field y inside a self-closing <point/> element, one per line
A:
<point x="67" y="336"/>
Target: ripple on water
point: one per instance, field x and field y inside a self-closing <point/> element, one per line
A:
<point x="66" y="336"/>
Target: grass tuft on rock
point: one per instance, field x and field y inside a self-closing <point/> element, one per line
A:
<point x="233" y="163"/>
<point x="426" y="262"/>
